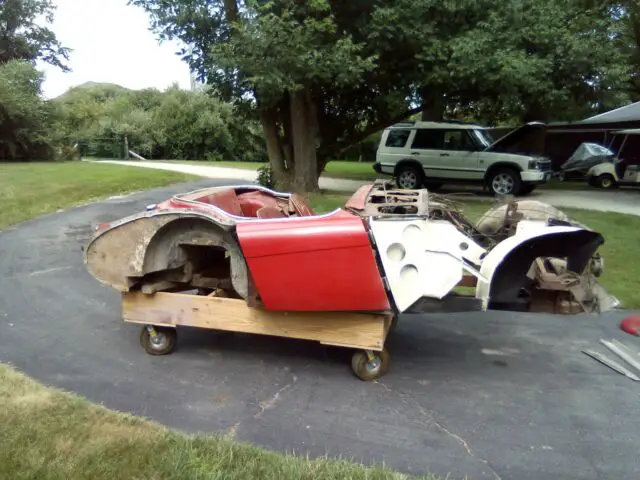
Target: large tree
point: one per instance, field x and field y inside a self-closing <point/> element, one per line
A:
<point x="627" y="12"/>
<point x="24" y="115"/>
<point x="322" y="75"/>
<point x="22" y="37"/>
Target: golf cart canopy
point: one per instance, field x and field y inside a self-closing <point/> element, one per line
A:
<point x="629" y="131"/>
<point x="586" y="156"/>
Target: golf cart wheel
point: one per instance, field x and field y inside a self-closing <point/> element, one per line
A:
<point x="409" y="177"/>
<point x="505" y="181"/>
<point x="606" y="181"/>
<point x="370" y="369"/>
<point x="158" y="340"/>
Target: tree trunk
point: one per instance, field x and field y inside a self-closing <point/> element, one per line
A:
<point x="231" y="10"/>
<point x="535" y="112"/>
<point x="432" y="105"/>
<point x="304" y="136"/>
<point x="291" y="131"/>
<point x="282" y="176"/>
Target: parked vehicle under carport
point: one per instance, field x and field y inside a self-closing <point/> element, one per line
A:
<point x="587" y="155"/>
<point x="622" y="170"/>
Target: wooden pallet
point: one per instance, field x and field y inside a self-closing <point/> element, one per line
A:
<point x="163" y="311"/>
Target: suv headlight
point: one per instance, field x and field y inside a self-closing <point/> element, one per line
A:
<point x="533" y="164"/>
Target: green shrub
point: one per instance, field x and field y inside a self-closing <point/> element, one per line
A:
<point x="265" y="176"/>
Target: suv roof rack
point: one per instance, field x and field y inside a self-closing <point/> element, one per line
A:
<point x="412" y="123"/>
<point x="457" y="122"/>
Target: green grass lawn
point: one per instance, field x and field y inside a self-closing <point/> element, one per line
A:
<point x="48" y="434"/>
<point x="28" y="190"/>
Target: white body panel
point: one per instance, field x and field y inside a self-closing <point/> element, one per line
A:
<point x="601" y="169"/>
<point x="495" y="257"/>
<point x="422" y="258"/>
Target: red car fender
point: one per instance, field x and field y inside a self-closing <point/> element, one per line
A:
<point x="315" y="263"/>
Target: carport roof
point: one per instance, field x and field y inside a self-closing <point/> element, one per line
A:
<point x="628" y="113"/>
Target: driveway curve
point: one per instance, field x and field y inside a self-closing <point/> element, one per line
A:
<point x="620" y="201"/>
<point x="482" y="395"/>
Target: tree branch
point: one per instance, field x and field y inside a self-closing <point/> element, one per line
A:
<point x="357" y="137"/>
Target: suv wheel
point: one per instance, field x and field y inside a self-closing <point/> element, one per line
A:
<point x="409" y="177"/>
<point x="504" y="181"/>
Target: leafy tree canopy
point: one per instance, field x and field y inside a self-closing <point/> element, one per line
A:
<point x="171" y="124"/>
<point x="323" y="75"/>
<point x="24" y="114"/>
<point x="21" y="38"/>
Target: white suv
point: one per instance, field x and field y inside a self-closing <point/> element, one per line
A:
<point x="435" y="153"/>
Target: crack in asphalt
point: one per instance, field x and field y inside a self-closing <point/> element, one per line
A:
<point x="430" y="415"/>
<point x="264" y="406"/>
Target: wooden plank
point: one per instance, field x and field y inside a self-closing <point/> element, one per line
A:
<point x="357" y="330"/>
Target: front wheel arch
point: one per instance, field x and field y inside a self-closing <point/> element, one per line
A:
<point x="504" y="168"/>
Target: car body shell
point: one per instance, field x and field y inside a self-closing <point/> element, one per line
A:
<point x="384" y="251"/>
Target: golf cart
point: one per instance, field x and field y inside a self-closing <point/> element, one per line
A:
<point x="619" y="171"/>
<point x="586" y="156"/>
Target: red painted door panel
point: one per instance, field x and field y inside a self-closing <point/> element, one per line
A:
<point x="313" y="263"/>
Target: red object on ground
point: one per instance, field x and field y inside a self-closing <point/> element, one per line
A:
<point x="323" y="263"/>
<point x="631" y="325"/>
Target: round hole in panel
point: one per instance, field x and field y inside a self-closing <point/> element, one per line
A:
<point x="412" y="236"/>
<point x="409" y="275"/>
<point x="396" y="252"/>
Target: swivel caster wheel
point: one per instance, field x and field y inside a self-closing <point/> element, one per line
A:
<point x="369" y="365"/>
<point x="158" y="340"/>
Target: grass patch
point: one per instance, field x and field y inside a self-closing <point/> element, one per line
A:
<point x="621" y="233"/>
<point x="351" y="170"/>
<point x="335" y="168"/>
<point x="567" y="185"/>
<point x="28" y="190"/>
<point x="48" y="434"/>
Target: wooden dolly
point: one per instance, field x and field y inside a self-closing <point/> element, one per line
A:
<point x="162" y="312"/>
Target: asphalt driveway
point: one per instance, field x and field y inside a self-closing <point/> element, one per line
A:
<point x="486" y="395"/>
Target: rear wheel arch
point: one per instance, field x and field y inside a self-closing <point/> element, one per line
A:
<point x="164" y="251"/>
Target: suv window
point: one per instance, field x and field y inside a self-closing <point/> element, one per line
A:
<point x="397" y="138"/>
<point x="457" y="140"/>
<point x="428" y="139"/>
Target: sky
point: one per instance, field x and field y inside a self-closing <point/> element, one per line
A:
<point x="111" y="43"/>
